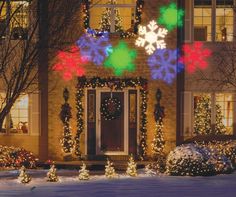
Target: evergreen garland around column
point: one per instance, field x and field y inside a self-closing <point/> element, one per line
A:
<point x="220" y="128"/>
<point x="132" y="167"/>
<point x="67" y="141"/>
<point x="23" y="176"/>
<point x="202" y="116"/>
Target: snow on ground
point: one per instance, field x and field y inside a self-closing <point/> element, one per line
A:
<point x="99" y="186"/>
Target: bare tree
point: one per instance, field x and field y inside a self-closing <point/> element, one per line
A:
<point x="19" y="47"/>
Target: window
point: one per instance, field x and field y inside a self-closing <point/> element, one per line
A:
<point x="224" y="103"/>
<point x="218" y="20"/>
<point x="202" y="20"/>
<point x="112" y="15"/>
<point x="17" y="120"/>
<point x="213" y="114"/>
<point x="14" y="18"/>
<point x="224" y="20"/>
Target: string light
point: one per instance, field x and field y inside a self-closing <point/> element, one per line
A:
<point x="118" y="84"/>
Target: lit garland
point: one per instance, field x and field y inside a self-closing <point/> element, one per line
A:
<point x="118" y="84"/>
<point x="138" y="16"/>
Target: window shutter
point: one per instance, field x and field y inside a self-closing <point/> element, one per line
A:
<point x="187" y="114"/>
<point x="188" y="21"/>
<point x="34" y="114"/>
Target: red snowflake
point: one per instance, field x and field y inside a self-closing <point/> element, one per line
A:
<point x="194" y="56"/>
<point x="69" y="63"/>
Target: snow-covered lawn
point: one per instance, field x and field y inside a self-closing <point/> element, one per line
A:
<point x="99" y="186"/>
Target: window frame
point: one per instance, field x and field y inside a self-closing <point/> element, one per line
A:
<point x="213" y="111"/>
<point x="8" y="132"/>
<point x="213" y="22"/>
<point x="137" y="17"/>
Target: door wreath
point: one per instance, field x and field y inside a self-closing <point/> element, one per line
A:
<point x="111" y="108"/>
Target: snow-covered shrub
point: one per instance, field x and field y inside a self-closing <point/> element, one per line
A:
<point x="16" y="157"/>
<point x="215" y="155"/>
<point x="229" y="151"/>
<point x="188" y="160"/>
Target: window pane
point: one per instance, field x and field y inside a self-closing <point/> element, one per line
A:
<point x="224" y="114"/>
<point x="18" y="118"/>
<point x="202" y="23"/>
<point x="202" y="2"/>
<point x="224" y="24"/>
<point x="19" y="10"/>
<point x="224" y="2"/>
<point x="3" y="13"/>
<point x="202" y="114"/>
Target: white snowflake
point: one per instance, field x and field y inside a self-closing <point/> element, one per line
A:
<point x="152" y="37"/>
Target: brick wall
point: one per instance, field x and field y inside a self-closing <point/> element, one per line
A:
<point x="56" y="86"/>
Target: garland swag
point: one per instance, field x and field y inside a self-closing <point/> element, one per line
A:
<point x="118" y="84"/>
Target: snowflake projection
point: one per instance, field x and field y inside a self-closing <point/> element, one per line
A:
<point x="163" y="65"/>
<point x="194" y="56"/>
<point x="69" y="63"/>
<point x="121" y="58"/>
<point x="151" y="37"/>
<point x="95" y="49"/>
<point x="171" y="17"/>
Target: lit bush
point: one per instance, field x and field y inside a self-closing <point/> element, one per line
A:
<point x="16" y="157"/>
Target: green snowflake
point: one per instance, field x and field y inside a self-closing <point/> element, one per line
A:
<point x="171" y="17"/>
<point x="121" y="59"/>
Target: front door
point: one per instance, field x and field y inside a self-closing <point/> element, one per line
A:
<point x="112" y="134"/>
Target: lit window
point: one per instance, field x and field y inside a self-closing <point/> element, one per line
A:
<point x="17" y="12"/>
<point x="112" y="15"/>
<point x="18" y="117"/>
<point x="202" y="114"/>
<point x="202" y="20"/>
<point x="224" y="20"/>
<point x="224" y="110"/>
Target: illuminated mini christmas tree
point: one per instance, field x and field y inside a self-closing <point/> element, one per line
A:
<point x="83" y="173"/>
<point x="23" y="177"/>
<point x="202" y="116"/>
<point x="219" y="125"/>
<point x="132" y="167"/>
<point x="52" y="175"/>
<point x="110" y="170"/>
<point x="105" y="24"/>
<point x="158" y="141"/>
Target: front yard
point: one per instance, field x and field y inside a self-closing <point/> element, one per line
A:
<point x="98" y="185"/>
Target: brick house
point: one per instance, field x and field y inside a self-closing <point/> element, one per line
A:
<point x="124" y="135"/>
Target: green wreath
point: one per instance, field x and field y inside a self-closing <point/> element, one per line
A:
<point x="110" y="108"/>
